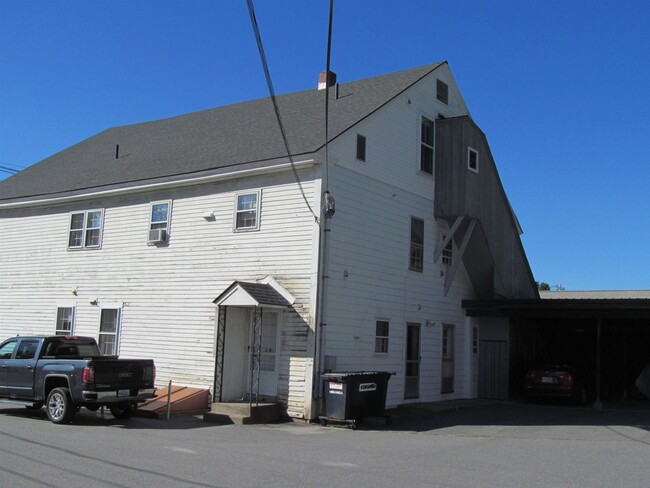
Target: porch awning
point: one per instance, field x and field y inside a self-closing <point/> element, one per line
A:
<point x="243" y="294"/>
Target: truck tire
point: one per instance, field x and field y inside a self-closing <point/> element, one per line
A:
<point x="121" y="410"/>
<point x="60" y="407"/>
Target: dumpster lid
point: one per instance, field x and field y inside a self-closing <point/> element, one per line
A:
<point x="354" y="373"/>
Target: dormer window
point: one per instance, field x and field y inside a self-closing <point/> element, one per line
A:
<point x="442" y="92"/>
<point x="472" y="159"/>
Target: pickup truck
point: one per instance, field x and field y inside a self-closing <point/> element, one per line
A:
<point x="65" y="373"/>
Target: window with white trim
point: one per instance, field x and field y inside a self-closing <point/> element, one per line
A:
<point x="472" y="159"/>
<point x="247" y="207"/>
<point x="64" y="321"/>
<point x="381" y="336"/>
<point x="109" y="331"/>
<point x="426" y="145"/>
<point x="448" y="254"/>
<point x="85" y="229"/>
<point x="416" y="251"/>
<point x="159" y="215"/>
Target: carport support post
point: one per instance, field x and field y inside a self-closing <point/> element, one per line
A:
<point x="598" y="404"/>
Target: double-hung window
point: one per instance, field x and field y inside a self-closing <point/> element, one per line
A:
<point x="85" y="229"/>
<point x="159" y="218"/>
<point x="426" y="145"/>
<point x="159" y="215"/>
<point x="381" y="336"/>
<point x="416" y="252"/>
<point x="247" y="206"/>
<point x="448" y="254"/>
<point x="64" y="321"/>
<point x="109" y="331"/>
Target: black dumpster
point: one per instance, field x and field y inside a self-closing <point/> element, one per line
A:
<point x="349" y="397"/>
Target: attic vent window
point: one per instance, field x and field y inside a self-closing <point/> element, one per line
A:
<point x="361" y="147"/>
<point x="442" y="92"/>
<point x="472" y="159"/>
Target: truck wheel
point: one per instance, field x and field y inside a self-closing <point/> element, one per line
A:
<point x="121" y="410"/>
<point x="60" y="408"/>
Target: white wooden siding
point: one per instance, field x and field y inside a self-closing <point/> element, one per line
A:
<point x="368" y="270"/>
<point x="166" y="290"/>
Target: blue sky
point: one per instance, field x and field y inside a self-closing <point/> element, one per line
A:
<point x="560" y="89"/>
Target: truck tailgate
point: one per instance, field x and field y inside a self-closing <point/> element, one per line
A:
<point x="123" y="373"/>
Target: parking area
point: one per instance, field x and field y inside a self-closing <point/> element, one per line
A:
<point x="466" y="443"/>
<point x="520" y="419"/>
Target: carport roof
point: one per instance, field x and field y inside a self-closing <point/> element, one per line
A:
<point x="623" y="304"/>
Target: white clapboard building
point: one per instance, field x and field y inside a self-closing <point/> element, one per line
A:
<point x="196" y="241"/>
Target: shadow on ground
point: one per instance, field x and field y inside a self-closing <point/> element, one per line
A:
<point x="423" y="417"/>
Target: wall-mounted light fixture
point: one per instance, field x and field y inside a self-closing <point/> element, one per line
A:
<point x="209" y="215"/>
<point x="94" y="301"/>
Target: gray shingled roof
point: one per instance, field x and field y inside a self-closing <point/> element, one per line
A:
<point x="262" y="293"/>
<point x="208" y="140"/>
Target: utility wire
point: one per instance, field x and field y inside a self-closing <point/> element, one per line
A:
<point x="269" y="83"/>
<point x="327" y="94"/>
<point x="9" y="169"/>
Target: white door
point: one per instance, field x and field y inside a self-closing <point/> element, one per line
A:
<point x="269" y="354"/>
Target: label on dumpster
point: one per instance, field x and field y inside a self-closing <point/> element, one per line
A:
<point x="367" y="386"/>
<point x="336" y="386"/>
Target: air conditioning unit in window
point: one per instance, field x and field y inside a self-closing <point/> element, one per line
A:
<point x="156" y="236"/>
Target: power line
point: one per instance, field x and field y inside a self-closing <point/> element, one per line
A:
<point x="9" y="169"/>
<point x="269" y="83"/>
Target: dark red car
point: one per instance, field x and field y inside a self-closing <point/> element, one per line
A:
<point x="557" y="381"/>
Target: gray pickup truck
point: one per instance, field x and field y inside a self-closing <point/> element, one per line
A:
<point x="65" y="373"/>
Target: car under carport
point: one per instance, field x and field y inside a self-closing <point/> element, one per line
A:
<point x="605" y="332"/>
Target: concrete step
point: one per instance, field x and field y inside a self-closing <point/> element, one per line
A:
<point x="242" y="413"/>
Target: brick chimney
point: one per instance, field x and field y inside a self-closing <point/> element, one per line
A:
<point x="324" y="80"/>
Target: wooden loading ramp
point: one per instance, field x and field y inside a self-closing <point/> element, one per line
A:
<point x="184" y="400"/>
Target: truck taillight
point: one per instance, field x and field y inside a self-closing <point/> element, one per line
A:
<point x="88" y="374"/>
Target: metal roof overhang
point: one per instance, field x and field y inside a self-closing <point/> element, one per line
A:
<point x="635" y="309"/>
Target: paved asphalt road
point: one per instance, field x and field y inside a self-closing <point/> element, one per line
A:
<point x="495" y="445"/>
